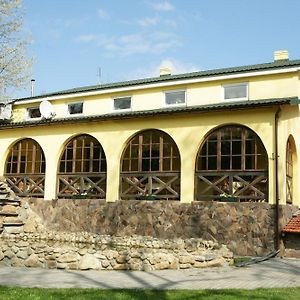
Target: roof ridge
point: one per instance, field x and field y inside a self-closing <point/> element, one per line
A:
<point x="166" y="78"/>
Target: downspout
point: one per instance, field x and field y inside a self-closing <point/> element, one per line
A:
<point x="277" y="238"/>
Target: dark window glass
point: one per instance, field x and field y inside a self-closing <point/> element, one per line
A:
<point x="33" y="112"/>
<point x="122" y="103"/>
<point x="177" y="97"/>
<point x="75" y="108"/>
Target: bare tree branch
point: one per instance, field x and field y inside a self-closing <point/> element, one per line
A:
<point x="15" y="66"/>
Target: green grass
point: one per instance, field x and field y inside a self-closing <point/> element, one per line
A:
<point x="12" y="293"/>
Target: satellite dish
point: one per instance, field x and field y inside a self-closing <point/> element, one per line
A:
<point x="46" y="109"/>
<point x="6" y="112"/>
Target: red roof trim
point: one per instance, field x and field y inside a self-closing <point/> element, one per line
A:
<point x="293" y="225"/>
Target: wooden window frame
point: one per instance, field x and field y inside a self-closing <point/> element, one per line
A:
<point x="248" y="181"/>
<point x="289" y="172"/>
<point x="25" y="168"/>
<point x="82" y="169"/>
<point x="150" y="167"/>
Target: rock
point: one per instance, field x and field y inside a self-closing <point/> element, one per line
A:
<point x="120" y="267"/>
<point x="210" y="256"/>
<point x="30" y="226"/>
<point x="110" y="254"/>
<point x="33" y="261"/>
<point x="147" y="268"/>
<point x="186" y="259"/>
<point x="16" y="262"/>
<point x="61" y="265"/>
<point x="9" y="254"/>
<point x="121" y="259"/>
<point x="89" y="261"/>
<point x="51" y="264"/>
<point x="105" y="263"/>
<point x="21" y="244"/>
<point x="185" y="266"/>
<point x="174" y="265"/>
<point x="68" y="258"/>
<point x="218" y="262"/>
<point x="161" y="265"/>
<point x="200" y="264"/>
<point x="72" y="266"/>
<point x="1" y="255"/>
<point x="22" y="254"/>
<point x="199" y="258"/>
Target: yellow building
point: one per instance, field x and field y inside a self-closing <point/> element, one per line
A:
<point x="224" y="135"/>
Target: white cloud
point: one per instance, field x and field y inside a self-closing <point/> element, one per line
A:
<point x="163" y="6"/>
<point x="148" y="21"/>
<point x="132" y="44"/>
<point x="176" y="66"/>
<point x="103" y="14"/>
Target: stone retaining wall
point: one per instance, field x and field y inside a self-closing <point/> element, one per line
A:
<point x="87" y="251"/>
<point x="246" y="228"/>
<point x="133" y="235"/>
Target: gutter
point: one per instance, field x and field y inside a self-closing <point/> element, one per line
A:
<point x="276" y="221"/>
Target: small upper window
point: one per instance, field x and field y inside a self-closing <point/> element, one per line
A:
<point x="236" y="91"/>
<point x="75" y="108"/>
<point x="33" y="112"/>
<point x="122" y="103"/>
<point x="175" y="98"/>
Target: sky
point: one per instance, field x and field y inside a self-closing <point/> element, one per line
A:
<point x="71" y="40"/>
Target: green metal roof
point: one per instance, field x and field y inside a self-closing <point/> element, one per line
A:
<point x="216" y="107"/>
<point x="168" y="78"/>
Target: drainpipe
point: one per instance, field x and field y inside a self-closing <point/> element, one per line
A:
<point x="277" y="238"/>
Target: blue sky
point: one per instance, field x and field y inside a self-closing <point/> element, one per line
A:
<point x="131" y="39"/>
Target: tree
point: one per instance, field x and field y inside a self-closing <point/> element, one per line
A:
<point x="15" y="66"/>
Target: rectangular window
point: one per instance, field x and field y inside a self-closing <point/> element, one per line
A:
<point x="122" y="103"/>
<point x="236" y="91"/>
<point x="75" y="108"/>
<point x="33" y="112"/>
<point x="175" y="97"/>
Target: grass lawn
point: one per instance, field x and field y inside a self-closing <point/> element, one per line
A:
<point x="12" y="293"/>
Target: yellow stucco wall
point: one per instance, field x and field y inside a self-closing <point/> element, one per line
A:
<point x="188" y="131"/>
<point x="260" y="87"/>
<point x="289" y="125"/>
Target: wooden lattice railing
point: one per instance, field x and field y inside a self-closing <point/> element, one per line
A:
<point x="27" y="185"/>
<point x="164" y="185"/>
<point x="243" y="186"/>
<point x="82" y="185"/>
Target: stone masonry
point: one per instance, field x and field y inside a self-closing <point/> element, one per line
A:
<point x="245" y="228"/>
<point x="29" y="243"/>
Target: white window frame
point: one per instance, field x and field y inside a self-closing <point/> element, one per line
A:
<point x="121" y="110"/>
<point x="27" y="116"/>
<point x="175" y="104"/>
<point x="77" y="114"/>
<point x="233" y="85"/>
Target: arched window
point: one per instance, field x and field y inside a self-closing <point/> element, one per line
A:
<point x="150" y="167"/>
<point x="232" y="165"/>
<point x="82" y="169"/>
<point x="290" y="158"/>
<point x="25" y="168"/>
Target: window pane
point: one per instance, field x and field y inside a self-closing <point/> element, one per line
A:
<point x="235" y="91"/>
<point x="34" y="112"/>
<point x="122" y="103"/>
<point x="175" y="97"/>
<point x="212" y="163"/>
<point x="75" y="108"/>
<point x="225" y="162"/>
